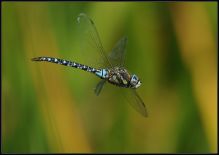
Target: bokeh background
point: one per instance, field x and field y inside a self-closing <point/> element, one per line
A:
<point x="48" y="108"/>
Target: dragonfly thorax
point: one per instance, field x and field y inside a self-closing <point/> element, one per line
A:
<point x="121" y="77"/>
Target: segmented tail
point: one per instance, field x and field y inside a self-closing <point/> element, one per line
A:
<point x="66" y="63"/>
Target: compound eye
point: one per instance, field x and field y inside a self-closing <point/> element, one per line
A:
<point x="135" y="78"/>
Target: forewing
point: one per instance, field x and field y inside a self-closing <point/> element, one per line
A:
<point x="117" y="55"/>
<point x="136" y="102"/>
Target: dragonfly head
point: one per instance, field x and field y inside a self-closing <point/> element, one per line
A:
<point x="135" y="82"/>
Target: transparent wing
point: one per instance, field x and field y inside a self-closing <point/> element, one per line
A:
<point x="136" y="102"/>
<point x="88" y="27"/>
<point x="99" y="87"/>
<point x="117" y="56"/>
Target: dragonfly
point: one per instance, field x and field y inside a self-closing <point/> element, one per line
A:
<point x="114" y="73"/>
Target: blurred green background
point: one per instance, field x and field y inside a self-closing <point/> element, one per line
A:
<point x="172" y="47"/>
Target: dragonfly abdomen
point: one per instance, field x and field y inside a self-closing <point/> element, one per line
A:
<point x="66" y="63"/>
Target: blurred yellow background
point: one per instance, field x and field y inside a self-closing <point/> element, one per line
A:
<point x="172" y="47"/>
